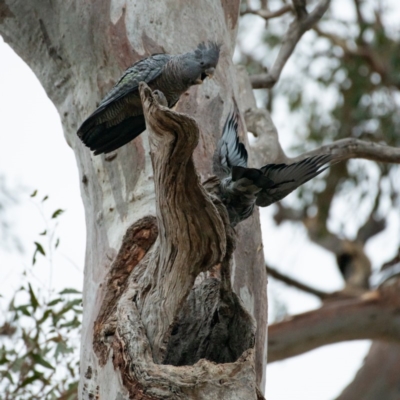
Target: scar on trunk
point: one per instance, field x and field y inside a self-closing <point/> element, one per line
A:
<point x="137" y="241"/>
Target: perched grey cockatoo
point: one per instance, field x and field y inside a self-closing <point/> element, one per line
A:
<point x="241" y="188"/>
<point x="119" y="117"/>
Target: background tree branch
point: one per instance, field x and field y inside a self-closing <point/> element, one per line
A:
<point x="303" y="22"/>
<point x="348" y="148"/>
<point x="298" y="285"/>
<point x="263" y="13"/>
<point x="372" y="316"/>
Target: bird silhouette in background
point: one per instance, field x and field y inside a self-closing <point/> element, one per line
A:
<point x="119" y="117"/>
<point x="241" y="188"/>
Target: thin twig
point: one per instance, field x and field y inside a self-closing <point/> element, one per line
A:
<point x="268" y="14"/>
<point x="292" y="282"/>
<point x="303" y="22"/>
<point x="364" y="51"/>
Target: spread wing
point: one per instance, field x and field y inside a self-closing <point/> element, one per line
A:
<point x="230" y="151"/>
<point x="287" y="178"/>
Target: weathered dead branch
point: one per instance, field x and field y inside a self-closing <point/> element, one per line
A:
<point x="298" y="285"/>
<point x="152" y="314"/>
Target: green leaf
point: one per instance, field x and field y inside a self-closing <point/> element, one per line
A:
<point x="36" y="376"/>
<point x="45" y="198"/>
<point x="69" y="291"/>
<point x="62" y="348"/>
<point x="34" y="300"/>
<point x="75" y="323"/>
<point x="16" y="365"/>
<point x="76" y="302"/>
<point x="57" y="242"/>
<point x="24" y="310"/>
<point x="43" y="233"/>
<point x="7" y="375"/>
<point x="41" y="361"/>
<point x="69" y="305"/>
<point x="39" y="248"/>
<point x="57" y="317"/>
<point x="46" y="314"/>
<point x="34" y="193"/>
<point x="4" y="359"/>
<point x="34" y="257"/>
<point x="57" y="213"/>
<point x="53" y="302"/>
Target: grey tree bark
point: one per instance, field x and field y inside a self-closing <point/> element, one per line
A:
<point x="378" y="378"/>
<point x="138" y="273"/>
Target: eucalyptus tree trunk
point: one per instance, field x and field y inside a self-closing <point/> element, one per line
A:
<point x="156" y="323"/>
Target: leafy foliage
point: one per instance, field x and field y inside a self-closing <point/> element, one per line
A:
<point x="39" y="333"/>
<point x="38" y="345"/>
<point x="342" y="81"/>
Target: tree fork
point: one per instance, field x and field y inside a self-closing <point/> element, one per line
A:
<point x="172" y="338"/>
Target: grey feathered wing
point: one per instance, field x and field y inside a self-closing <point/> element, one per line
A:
<point x="230" y="152"/>
<point x="287" y="178"/>
<point x="119" y="117"/>
<point x="241" y="187"/>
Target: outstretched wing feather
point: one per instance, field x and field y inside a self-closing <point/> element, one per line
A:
<point x="287" y="178"/>
<point x="231" y="152"/>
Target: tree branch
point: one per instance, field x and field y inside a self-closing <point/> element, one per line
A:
<point x="372" y="316"/>
<point x="180" y="195"/>
<point x="374" y="224"/>
<point x="346" y="149"/>
<point x="378" y="378"/>
<point x="297" y="28"/>
<point x="364" y="51"/>
<point x="292" y="282"/>
<point x="268" y="14"/>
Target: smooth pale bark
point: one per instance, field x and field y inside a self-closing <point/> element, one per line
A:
<point x="78" y="50"/>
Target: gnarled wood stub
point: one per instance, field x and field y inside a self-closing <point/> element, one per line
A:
<point x="147" y="316"/>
